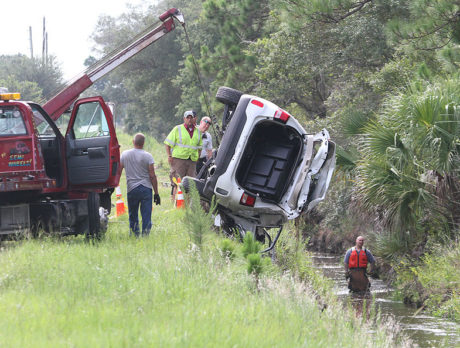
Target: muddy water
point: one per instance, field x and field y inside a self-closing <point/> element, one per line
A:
<point x="423" y="329"/>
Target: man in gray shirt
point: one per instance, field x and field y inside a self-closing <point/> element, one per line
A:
<point x="140" y="179"/>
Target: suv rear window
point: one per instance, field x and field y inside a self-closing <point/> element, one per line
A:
<point x="11" y="121"/>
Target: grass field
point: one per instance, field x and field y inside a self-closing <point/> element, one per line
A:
<point x="163" y="291"/>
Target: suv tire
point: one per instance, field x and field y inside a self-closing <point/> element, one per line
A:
<point x="228" y="96"/>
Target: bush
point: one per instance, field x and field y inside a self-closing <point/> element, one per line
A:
<point x="227" y="248"/>
<point x="254" y="264"/>
<point x="198" y="222"/>
<point x="250" y="245"/>
<point x="433" y="281"/>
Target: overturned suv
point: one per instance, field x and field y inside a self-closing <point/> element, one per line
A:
<point x="267" y="169"/>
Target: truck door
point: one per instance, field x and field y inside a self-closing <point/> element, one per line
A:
<point x="92" y="149"/>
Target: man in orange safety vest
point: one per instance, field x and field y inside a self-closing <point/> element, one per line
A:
<point x="356" y="260"/>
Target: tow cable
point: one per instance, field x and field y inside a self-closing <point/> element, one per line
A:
<point x="198" y="73"/>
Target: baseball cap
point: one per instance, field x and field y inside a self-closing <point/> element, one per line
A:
<point x="189" y="113"/>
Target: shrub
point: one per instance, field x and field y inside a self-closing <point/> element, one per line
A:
<point x="254" y="264"/>
<point x="198" y="222"/>
<point x="250" y="245"/>
<point x="227" y="248"/>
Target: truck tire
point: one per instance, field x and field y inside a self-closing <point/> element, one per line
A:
<point x="94" y="222"/>
<point x="106" y="200"/>
<point x="228" y="96"/>
<point x="40" y="227"/>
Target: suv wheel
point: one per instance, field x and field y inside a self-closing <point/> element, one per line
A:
<point x="228" y="96"/>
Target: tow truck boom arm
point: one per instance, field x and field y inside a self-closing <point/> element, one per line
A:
<point x="56" y="106"/>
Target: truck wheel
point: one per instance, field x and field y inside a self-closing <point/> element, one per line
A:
<point x="39" y="227"/>
<point x="106" y="200"/>
<point x="95" y="231"/>
<point x="228" y="96"/>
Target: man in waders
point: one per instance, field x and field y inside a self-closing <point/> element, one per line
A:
<point x="356" y="260"/>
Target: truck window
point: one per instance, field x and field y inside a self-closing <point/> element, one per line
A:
<point x="11" y="121"/>
<point x="41" y="124"/>
<point x="90" y="121"/>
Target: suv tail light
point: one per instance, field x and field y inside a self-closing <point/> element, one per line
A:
<point x="281" y="116"/>
<point x="247" y="200"/>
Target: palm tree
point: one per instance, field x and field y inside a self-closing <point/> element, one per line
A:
<point x="409" y="161"/>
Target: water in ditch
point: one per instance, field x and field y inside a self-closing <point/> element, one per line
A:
<point x="424" y="330"/>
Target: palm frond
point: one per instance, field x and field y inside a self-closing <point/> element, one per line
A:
<point x="346" y="159"/>
<point x="353" y="122"/>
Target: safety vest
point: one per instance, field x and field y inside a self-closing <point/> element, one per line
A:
<point x="182" y="145"/>
<point x="356" y="261"/>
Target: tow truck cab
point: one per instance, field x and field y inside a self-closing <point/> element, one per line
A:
<point x="49" y="178"/>
<point x="64" y="180"/>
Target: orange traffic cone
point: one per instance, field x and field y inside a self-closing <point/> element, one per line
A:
<point x="179" y="196"/>
<point x="120" y="205"/>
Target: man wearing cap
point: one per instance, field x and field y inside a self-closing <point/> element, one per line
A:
<point x="183" y="146"/>
<point x="206" y="150"/>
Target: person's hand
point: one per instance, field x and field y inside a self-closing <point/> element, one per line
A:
<point x="156" y="199"/>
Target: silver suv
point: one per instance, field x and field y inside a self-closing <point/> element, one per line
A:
<point x="267" y="168"/>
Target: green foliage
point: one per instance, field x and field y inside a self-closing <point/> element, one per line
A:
<point x="436" y="283"/>
<point x="391" y="246"/>
<point x="127" y="292"/>
<point x="250" y="245"/>
<point x="142" y="88"/>
<point x="430" y="24"/>
<point x="393" y="77"/>
<point x="292" y="257"/>
<point x="414" y="138"/>
<point x="29" y="90"/>
<point x="227" y="248"/>
<point x="223" y="58"/>
<point x="254" y="264"/>
<point x="198" y="222"/>
<point x="32" y="78"/>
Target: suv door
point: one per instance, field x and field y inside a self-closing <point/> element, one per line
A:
<point x="92" y="149"/>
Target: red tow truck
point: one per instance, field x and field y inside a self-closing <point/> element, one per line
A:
<point x="63" y="183"/>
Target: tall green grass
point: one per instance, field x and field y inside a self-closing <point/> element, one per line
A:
<point x="158" y="291"/>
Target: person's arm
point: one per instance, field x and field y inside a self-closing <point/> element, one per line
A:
<point x="170" y="142"/>
<point x="153" y="178"/>
<point x="154" y="181"/>
<point x="169" y="153"/>
<point x="209" y="149"/>
<point x="371" y="260"/>
<point x="121" y="164"/>
<point x="345" y="263"/>
<point x="200" y="145"/>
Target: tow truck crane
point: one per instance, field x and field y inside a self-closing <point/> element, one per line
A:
<point x="63" y="182"/>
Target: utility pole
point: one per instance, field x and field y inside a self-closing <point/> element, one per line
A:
<point x="46" y="49"/>
<point x="44" y="41"/>
<point x="31" y="43"/>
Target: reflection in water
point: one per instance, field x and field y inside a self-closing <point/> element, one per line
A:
<point x="424" y="330"/>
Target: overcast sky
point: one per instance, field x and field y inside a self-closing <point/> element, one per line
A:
<point x="69" y="25"/>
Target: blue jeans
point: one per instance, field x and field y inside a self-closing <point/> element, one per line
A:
<point x="142" y="196"/>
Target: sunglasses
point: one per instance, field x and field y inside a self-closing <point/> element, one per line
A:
<point x="207" y="122"/>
